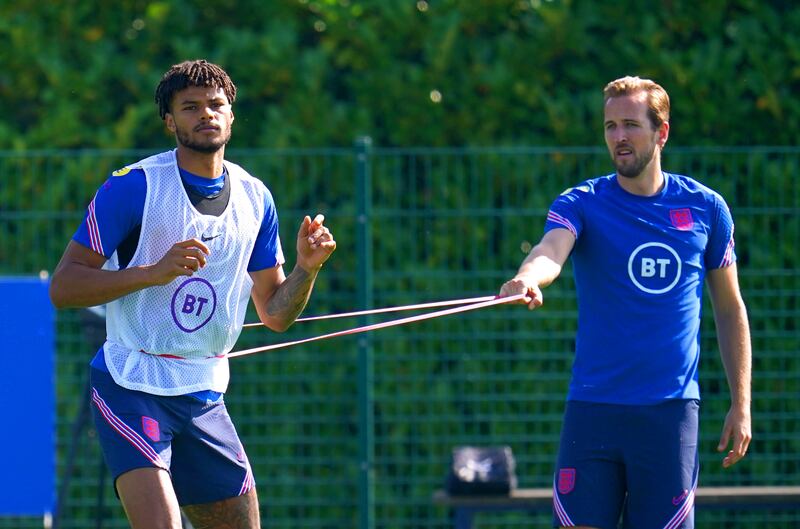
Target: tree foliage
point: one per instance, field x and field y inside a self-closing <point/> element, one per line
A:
<point x="78" y="74"/>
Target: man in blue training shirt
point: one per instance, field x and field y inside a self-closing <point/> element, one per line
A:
<point x="176" y="245"/>
<point x="643" y="242"/>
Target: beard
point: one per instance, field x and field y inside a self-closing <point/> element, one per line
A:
<point x="209" y="146"/>
<point x="634" y="168"/>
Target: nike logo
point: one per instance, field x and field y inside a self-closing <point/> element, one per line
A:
<point x="206" y="238"/>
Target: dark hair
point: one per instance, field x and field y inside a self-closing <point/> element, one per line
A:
<point x="192" y="73"/>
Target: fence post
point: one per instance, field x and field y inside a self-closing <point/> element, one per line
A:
<point x="366" y="483"/>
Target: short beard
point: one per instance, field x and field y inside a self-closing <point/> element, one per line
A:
<point x="209" y="147"/>
<point x="638" y="165"/>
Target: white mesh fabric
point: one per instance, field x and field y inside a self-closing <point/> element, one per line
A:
<point x="193" y="320"/>
<point x="162" y="375"/>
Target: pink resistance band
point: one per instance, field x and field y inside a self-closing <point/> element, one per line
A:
<point x="387" y="309"/>
<point x="486" y="301"/>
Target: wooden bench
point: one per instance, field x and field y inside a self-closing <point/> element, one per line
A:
<point x="541" y="500"/>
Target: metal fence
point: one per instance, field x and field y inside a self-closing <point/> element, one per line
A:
<point x="356" y="432"/>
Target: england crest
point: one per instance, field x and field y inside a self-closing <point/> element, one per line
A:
<point x="151" y="429"/>
<point x="566" y="480"/>
<point x="681" y="218"/>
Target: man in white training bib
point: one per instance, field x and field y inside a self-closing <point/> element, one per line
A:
<point x="175" y="245"/>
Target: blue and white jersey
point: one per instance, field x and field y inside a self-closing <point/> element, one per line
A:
<point x="639" y="265"/>
<point x="114" y="217"/>
<point x="172" y="339"/>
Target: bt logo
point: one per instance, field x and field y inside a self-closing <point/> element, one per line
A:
<point x="654" y="267"/>
<point x="190" y="301"/>
<point x="193" y="304"/>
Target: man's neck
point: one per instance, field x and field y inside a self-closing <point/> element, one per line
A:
<point x="201" y="164"/>
<point x="648" y="183"/>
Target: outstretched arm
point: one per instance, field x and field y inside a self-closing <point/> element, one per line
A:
<point x="80" y="281"/>
<point x="280" y="299"/>
<point x="733" y="335"/>
<point x="541" y="267"/>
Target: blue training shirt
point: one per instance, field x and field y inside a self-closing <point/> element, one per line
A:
<point x="639" y="265"/>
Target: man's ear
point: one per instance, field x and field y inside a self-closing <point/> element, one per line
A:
<point x="663" y="134"/>
<point x="169" y="122"/>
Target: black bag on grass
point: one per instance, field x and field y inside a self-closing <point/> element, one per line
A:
<point x="481" y="471"/>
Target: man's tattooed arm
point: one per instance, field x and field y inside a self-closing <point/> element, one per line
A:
<point x="291" y="296"/>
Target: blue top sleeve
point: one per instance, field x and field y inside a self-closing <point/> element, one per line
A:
<point x="114" y="212"/>
<point x="720" y="252"/>
<point x="267" y="252"/>
<point x="565" y="212"/>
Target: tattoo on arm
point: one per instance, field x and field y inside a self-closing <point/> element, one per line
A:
<point x="291" y="296"/>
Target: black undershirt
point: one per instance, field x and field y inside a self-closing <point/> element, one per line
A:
<point x="207" y="205"/>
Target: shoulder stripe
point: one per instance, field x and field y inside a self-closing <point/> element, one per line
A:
<point x="94" y="230"/>
<point x="727" y="258"/>
<point x="558" y="219"/>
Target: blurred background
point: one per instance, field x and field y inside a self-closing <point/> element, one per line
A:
<point x="433" y="136"/>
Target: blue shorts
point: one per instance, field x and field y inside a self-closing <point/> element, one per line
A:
<point x="194" y="441"/>
<point x="640" y="462"/>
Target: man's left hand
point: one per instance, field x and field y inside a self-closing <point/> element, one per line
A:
<point x="314" y="243"/>
<point x="737" y="429"/>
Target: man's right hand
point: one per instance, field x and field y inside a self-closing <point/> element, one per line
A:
<point x="183" y="259"/>
<point x="523" y="285"/>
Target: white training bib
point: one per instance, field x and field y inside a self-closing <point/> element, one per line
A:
<point x="172" y="339"/>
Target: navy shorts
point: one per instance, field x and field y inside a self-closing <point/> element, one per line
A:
<point x="640" y="462"/>
<point x="194" y="441"/>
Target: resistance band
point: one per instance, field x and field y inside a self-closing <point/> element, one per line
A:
<point x="386" y="309"/>
<point x="487" y="302"/>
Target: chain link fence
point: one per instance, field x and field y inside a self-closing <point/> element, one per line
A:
<point x="356" y="432"/>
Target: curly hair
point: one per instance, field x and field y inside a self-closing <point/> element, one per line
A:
<point x="192" y="73"/>
<point x="657" y="98"/>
